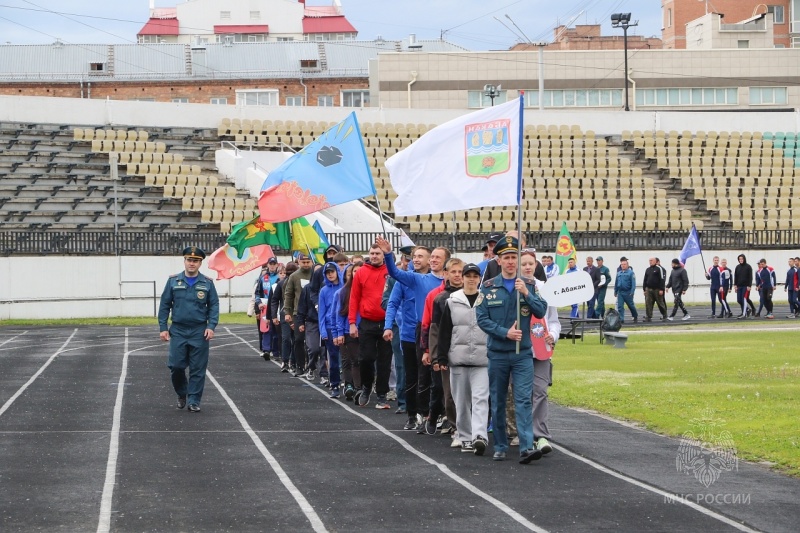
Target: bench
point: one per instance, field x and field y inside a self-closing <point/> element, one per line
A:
<point x="576" y="322"/>
<point x="615" y="339"/>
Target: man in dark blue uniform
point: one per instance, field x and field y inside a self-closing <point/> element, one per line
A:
<point x="192" y="299"/>
<point x="496" y="311"/>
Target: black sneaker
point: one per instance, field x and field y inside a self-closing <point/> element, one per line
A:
<point x="527" y="456"/>
<point x="411" y="424"/>
<point x="194" y="408"/>
<point x="349" y="392"/>
<point x="181" y="402"/>
<point x="635" y="319"/>
<point x="480" y="444"/>
<point x="265" y="356"/>
<point x="284" y="368"/>
<point x="430" y="427"/>
<point x="363" y="397"/>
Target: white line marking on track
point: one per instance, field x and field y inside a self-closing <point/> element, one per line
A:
<point x="301" y="500"/>
<point x="708" y="512"/>
<point x="442" y="467"/>
<point x="36" y="375"/>
<point x="12" y="338"/>
<point x="104" y="523"/>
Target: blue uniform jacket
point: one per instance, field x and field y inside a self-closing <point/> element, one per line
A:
<point x="191" y="307"/>
<point x="326" y="296"/>
<point x="765" y="279"/>
<point x="421" y="284"/>
<point x="309" y="299"/>
<point x="496" y="311"/>
<point x="401" y="309"/>
<point x="625" y="283"/>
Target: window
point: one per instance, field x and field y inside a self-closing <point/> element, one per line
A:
<point x="285" y="39"/>
<point x="743" y="43"/>
<point x="355" y="98"/>
<point x="477" y="100"/>
<point x="777" y="14"/>
<point x="143" y="99"/>
<point x="309" y="63"/>
<point x="224" y="14"/>
<point x="241" y="37"/>
<point x="669" y="18"/>
<point x="97" y="67"/>
<point x="255" y="15"/>
<point x="573" y="98"/>
<point x="257" y="97"/>
<point x="768" y="95"/>
<point x="325" y="101"/>
<point x="219" y="101"/>
<point x="294" y="101"/>
<point x="330" y="36"/>
<point x="687" y="97"/>
<point x="180" y="100"/>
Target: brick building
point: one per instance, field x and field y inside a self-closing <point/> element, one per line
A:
<point x="676" y="14"/>
<point x="589" y="37"/>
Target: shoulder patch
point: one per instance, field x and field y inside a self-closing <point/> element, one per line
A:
<point x="175" y="275"/>
<point x="479" y="299"/>
<point x="488" y="283"/>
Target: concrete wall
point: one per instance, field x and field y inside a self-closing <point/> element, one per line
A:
<point x="79" y="287"/>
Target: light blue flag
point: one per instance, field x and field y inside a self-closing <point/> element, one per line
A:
<point x="323" y="239"/>
<point x="330" y="171"/>
<point x="692" y="246"/>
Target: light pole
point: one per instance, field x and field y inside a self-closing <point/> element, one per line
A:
<point x="491" y="92"/>
<point x="623" y="20"/>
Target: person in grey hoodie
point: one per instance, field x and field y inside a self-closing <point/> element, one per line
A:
<point x="679" y="283"/>
<point x="462" y="349"/>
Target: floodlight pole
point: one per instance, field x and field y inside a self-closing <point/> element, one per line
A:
<point x="623" y="20"/>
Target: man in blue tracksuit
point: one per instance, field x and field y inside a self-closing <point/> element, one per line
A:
<point x="191" y="299"/>
<point x="624" y="287"/>
<point x="421" y="285"/>
<point x="571" y="269"/>
<point x="333" y="282"/>
<point x="496" y="312"/>
<point x="401" y="311"/>
<point x="765" y="282"/>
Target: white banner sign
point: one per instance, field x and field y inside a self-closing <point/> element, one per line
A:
<point x="568" y="289"/>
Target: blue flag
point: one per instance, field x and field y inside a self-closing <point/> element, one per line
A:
<point x="692" y="246"/>
<point x="330" y="171"/>
<point x="323" y="239"/>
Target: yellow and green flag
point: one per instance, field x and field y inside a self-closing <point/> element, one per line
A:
<point x="565" y="249"/>
<point x="306" y="239"/>
<point x="255" y="232"/>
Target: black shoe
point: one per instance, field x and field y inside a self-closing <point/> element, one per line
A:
<point x="349" y="392"/>
<point x="430" y="427"/>
<point x="194" y="408"/>
<point x="721" y="315"/>
<point x="479" y="446"/>
<point x="741" y="316"/>
<point x="529" y="455"/>
<point x="635" y="319"/>
<point x="712" y="316"/>
<point x="181" y="402"/>
<point x="411" y="424"/>
<point x="645" y="319"/>
<point x="265" y="355"/>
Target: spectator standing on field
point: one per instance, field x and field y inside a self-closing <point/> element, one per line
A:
<point x="653" y="286"/>
<point x="601" y="286"/>
<point x="679" y="283"/>
<point x="624" y="287"/>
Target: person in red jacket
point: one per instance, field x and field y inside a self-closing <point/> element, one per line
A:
<point x="373" y="350"/>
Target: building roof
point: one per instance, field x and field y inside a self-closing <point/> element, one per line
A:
<point x="322" y="11"/>
<point x="337" y="24"/>
<point x="278" y="59"/>
<point x="241" y="28"/>
<point x="160" y="26"/>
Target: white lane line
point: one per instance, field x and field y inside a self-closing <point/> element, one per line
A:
<point x="442" y="467"/>
<point x="36" y="375"/>
<point x="12" y="338"/>
<point x="301" y="500"/>
<point x="104" y="524"/>
<point x="722" y="518"/>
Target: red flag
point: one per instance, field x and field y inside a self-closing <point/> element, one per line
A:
<point x="228" y="265"/>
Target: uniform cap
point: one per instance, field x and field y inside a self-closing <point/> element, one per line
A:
<point x="407" y="250"/>
<point x="506" y="245"/>
<point x="471" y="267"/>
<point x="193" y="252"/>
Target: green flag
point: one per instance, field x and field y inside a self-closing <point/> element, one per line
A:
<point x="254" y="232"/>
<point x="565" y="249"/>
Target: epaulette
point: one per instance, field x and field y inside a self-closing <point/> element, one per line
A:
<point x="175" y="275"/>
<point x="488" y="283"/>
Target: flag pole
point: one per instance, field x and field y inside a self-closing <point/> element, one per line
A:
<point x="519" y="200"/>
<point x="366" y="162"/>
<point x="701" y="249"/>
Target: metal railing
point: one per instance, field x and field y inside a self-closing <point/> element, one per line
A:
<point x="40" y="242"/>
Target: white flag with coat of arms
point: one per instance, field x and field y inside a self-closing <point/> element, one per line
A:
<point x="472" y="161"/>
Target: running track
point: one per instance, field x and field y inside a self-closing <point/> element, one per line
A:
<point x="90" y="441"/>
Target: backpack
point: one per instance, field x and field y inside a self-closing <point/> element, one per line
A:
<point x="611" y="321"/>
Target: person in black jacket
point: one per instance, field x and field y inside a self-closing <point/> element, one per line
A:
<point x="653" y="286"/>
<point x="308" y="323"/>
<point x="679" y="283"/>
<point x="276" y="311"/>
<point x="742" y="281"/>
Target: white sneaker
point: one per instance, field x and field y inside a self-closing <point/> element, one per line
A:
<point x="455" y="443"/>
<point x="670" y="318"/>
<point x="391" y="396"/>
<point x="514" y="442"/>
<point x="687" y="317"/>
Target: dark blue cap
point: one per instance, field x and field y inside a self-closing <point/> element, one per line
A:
<point x="194" y="252"/>
<point x="506" y="245"/>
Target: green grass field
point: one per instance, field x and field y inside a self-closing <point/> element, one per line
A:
<point x="748" y="383"/>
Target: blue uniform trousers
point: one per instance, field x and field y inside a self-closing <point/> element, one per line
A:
<point x="188" y="349"/>
<point x="624" y="299"/>
<point x="519" y="367"/>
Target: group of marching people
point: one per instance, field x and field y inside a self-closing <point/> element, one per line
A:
<point x="448" y="340"/>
